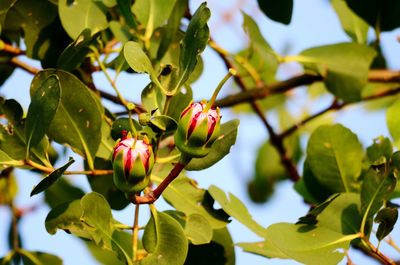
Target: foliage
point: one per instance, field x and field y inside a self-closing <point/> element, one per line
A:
<point x="347" y="186"/>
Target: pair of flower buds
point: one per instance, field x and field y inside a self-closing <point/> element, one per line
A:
<point x="133" y="159"/>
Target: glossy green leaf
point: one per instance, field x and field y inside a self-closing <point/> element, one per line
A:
<point x="279" y="11"/>
<point x="104" y="185"/>
<point x="344" y="67"/>
<point x="377" y="186"/>
<point x="39" y="258"/>
<point x="393" y="121"/>
<point x="378" y="14"/>
<point x="152" y="14"/>
<point x="307" y="244"/>
<point x="168" y="242"/>
<point x="76" y="52"/>
<point x="335" y="155"/>
<point x="42" y="109"/>
<point x="140" y="62"/>
<point x="13" y="141"/>
<point x="51" y="178"/>
<point x="61" y="192"/>
<point x="171" y="27"/>
<point x="219" y="149"/>
<point x="38" y="25"/>
<point x="219" y="251"/>
<point x="387" y="218"/>
<point x="77" y="15"/>
<point x="355" y="27"/>
<point x="186" y="197"/>
<point x="193" y="44"/>
<point x="78" y="119"/>
<point x="89" y="218"/>
<point x="235" y="208"/>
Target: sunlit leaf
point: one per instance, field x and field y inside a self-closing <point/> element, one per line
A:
<point x="38" y="258"/>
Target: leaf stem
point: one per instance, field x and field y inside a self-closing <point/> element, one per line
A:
<point x="94" y="172"/>
<point x="135" y="233"/>
<point x="211" y="102"/>
<point x="375" y="253"/>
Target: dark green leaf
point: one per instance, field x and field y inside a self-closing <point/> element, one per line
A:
<point x="387" y="218"/>
<point x="377" y="186"/>
<point x="219" y="149"/>
<point x="39" y="258"/>
<point x="219" y="251"/>
<point x="193" y="44"/>
<point x="279" y="11"/>
<point x="79" y="115"/>
<point x="125" y="8"/>
<point x="163" y="123"/>
<point x="379" y="14"/>
<point x="76" y="52"/>
<point x="235" y="208"/>
<point x="43" y="107"/>
<point x="171" y="27"/>
<point x="122" y="124"/>
<point x="335" y="155"/>
<point x="353" y="25"/>
<point x="382" y="147"/>
<point x="305" y="244"/>
<point x="165" y="241"/>
<point x="77" y="15"/>
<point x="51" y="178"/>
<point x="62" y="192"/>
<point x="104" y="185"/>
<point x="344" y="67"/>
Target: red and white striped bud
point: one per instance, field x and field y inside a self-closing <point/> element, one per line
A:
<point x="132" y="163"/>
<point x="198" y="128"/>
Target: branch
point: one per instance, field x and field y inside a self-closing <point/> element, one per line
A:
<point x="24" y="66"/>
<point x="276" y="141"/>
<point x="336" y="105"/>
<point x="379" y="76"/>
<point x="5" y="47"/>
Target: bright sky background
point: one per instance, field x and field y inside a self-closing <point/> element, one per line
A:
<point x="314" y="23"/>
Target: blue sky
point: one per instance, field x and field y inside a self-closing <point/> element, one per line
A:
<point x="314" y="23"/>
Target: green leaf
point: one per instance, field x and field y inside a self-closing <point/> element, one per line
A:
<point x="355" y="27"/>
<point x="120" y="125"/>
<point x="219" y="149"/>
<point x="311" y="217"/>
<point x="42" y="109"/>
<point x="39" y="258"/>
<point x="387" y="218"/>
<point x="51" y="178"/>
<point x="163" y="123"/>
<point x="107" y="142"/>
<point x="89" y="218"/>
<point x="125" y="8"/>
<point x="168" y="244"/>
<point x="393" y="122"/>
<point x="76" y="52"/>
<point x="78" y="119"/>
<point x="219" y="251"/>
<point x="186" y="197"/>
<point x="377" y="187"/>
<point x="140" y="62"/>
<point x="382" y="147"/>
<point x="62" y="192"/>
<point x="152" y="14"/>
<point x="77" y="15"/>
<point x="260" y="54"/>
<point x="343" y="66"/>
<point x="235" y="208"/>
<point x="305" y="244"/>
<point x="8" y="188"/>
<point x="379" y="14"/>
<point x="335" y="155"/>
<point x="279" y="11"/>
<point x="171" y="27"/>
<point x="193" y="44"/>
<point x="104" y="185"/>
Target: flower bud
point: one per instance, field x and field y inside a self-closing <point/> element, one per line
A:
<point x="132" y="162"/>
<point x="198" y="128"/>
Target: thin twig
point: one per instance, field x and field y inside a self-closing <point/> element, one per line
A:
<point x="24" y="66"/>
<point x="8" y="48"/>
<point x="135" y="233"/>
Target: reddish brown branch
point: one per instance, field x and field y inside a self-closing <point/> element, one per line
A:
<point x="11" y="49"/>
<point x="24" y="66"/>
<point x="152" y="196"/>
